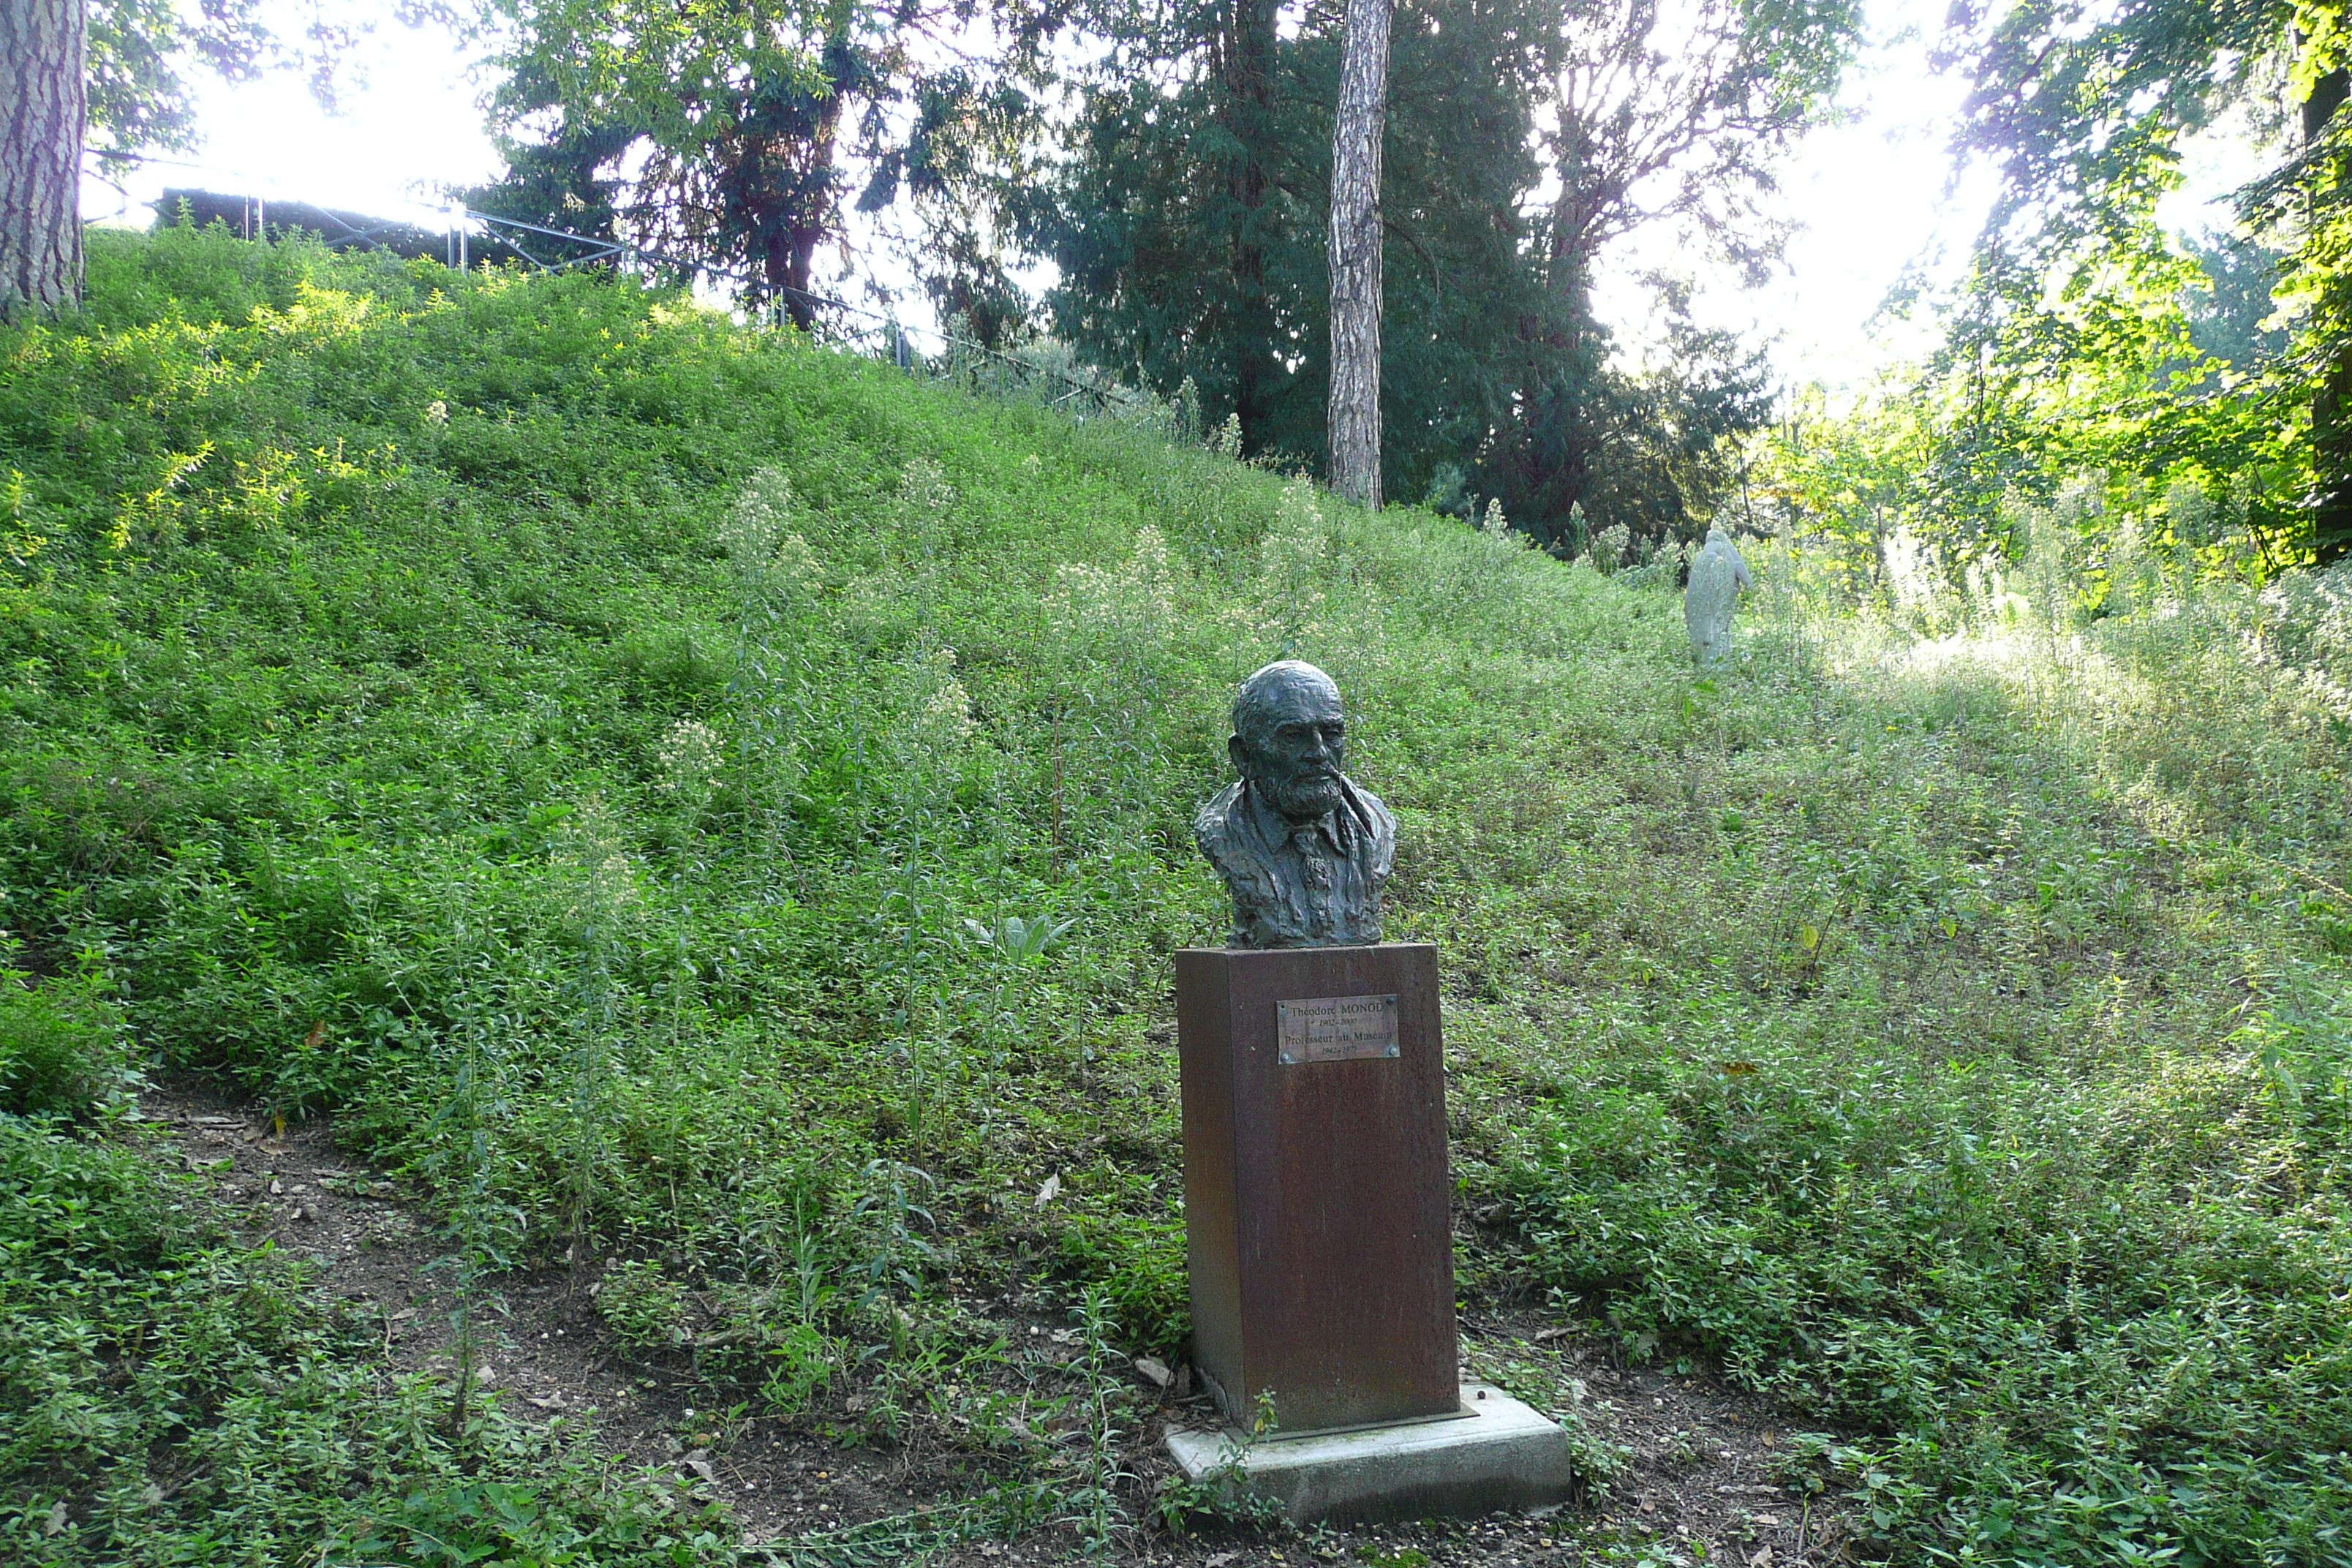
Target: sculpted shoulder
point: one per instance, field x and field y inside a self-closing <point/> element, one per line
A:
<point x="1213" y="824"/>
<point x="1228" y="844"/>
<point x="1379" y="824"/>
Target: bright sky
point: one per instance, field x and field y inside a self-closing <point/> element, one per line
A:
<point x="1874" y="195"/>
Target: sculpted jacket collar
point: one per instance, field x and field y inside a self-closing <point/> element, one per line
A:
<point x="1321" y="892"/>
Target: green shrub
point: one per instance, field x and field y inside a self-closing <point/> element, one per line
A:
<point x="62" y="1050"/>
<point x="644" y="1311"/>
<point x="1138" y="1265"/>
<point x="166" y="1396"/>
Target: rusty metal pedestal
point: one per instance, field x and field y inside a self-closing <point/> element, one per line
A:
<point x="1318" y="1241"/>
<point x="1315" y="1197"/>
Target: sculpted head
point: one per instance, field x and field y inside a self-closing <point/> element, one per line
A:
<point x="1290" y="739"/>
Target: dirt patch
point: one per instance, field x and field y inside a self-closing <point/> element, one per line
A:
<point x="1697" y="1464"/>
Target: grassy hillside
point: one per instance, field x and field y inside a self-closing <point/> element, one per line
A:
<point x="696" y="805"/>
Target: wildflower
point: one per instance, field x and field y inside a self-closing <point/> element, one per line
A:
<point x="690" y="759"/>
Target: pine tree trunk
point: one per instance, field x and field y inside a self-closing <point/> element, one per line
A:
<point x="2331" y="405"/>
<point x="41" y="107"/>
<point x="1248" y="113"/>
<point x="1356" y="132"/>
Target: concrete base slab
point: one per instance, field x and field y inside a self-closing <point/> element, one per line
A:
<point x="1497" y="1453"/>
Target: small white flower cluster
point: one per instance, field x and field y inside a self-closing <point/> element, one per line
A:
<point x="1121" y="610"/>
<point x="1226" y="440"/>
<point x="756" y="525"/>
<point x="766" y="556"/>
<point x="945" y="717"/>
<point x="1610" y="547"/>
<point x="939" y="714"/>
<point x="1295" y="561"/>
<point x="924" y="490"/>
<point x="607" y="880"/>
<point x="689" y="758"/>
<point x="2310" y="616"/>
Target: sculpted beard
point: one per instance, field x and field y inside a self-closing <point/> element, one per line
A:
<point x="1304" y="795"/>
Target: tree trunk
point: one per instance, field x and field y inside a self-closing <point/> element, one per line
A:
<point x="1356" y="132"/>
<point x="794" y="210"/>
<point x="41" y="107"/>
<point x="1248" y="70"/>
<point x="2331" y="406"/>
<point x="788" y="260"/>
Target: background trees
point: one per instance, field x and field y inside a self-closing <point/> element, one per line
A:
<point x="2089" y="341"/>
<point x="1174" y="159"/>
<point x="743" y="124"/>
<point x="1653" y="117"/>
<point x="1187" y="205"/>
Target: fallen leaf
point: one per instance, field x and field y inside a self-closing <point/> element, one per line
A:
<point x="1047" y="1193"/>
<point x="552" y="1402"/>
<point x="1220" y="1559"/>
<point x="1153" y="1368"/>
<point x="1763" y="1558"/>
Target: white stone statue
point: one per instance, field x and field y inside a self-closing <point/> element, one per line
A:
<point x="1718" y="573"/>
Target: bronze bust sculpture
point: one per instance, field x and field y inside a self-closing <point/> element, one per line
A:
<point x="1302" y="851"/>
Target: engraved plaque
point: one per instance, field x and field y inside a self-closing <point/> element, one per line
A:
<point x="1336" y="1029"/>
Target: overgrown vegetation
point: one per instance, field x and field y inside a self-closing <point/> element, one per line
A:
<point x="715" y="813"/>
<point x="167" y="1397"/>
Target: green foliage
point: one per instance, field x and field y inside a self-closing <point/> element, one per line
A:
<point x="415" y="689"/>
<point x="140" y="53"/>
<point x="1188" y="223"/>
<point x="1138" y="1265"/>
<point x="644" y="1309"/>
<point x="168" y="1397"/>
<point x="2080" y="341"/>
<point x="1879" y="1202"/>
<point x="61" y="1047"/>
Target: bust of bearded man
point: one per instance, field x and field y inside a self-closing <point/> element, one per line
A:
<point x="1302" y="851"/>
